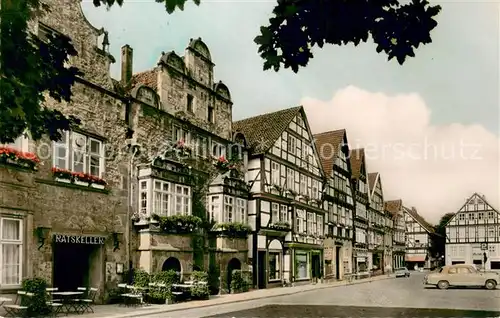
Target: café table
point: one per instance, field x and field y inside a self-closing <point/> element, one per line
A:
<point x="67" y="300"/>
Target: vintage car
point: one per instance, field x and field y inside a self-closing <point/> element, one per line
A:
<point x="462" y="275"/>
<point x="402" y="272"/>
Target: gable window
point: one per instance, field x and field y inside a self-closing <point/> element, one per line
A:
<point x="11" y="242"/>
<point x="210" y="114"/>
<point x="292" y="148"/>
<point x="275" y="173"/>
<point x="170" y="198"/>
<point x="189" y="103"/>
<point x="79" y="153"/>
<point x="241" y="210"/>
<point x="491" y="215"/>
<point x="228" y="209"/>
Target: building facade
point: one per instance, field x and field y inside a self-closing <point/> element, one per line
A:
<point x="338" y="201"/>
<point x="361" y="255"/>
<point x="473" y="235"/>
<point x="418" y="240"/>
<point x="395" y="209"/>
<point x="64" y="218"/>
<point x="376" y="223"/>
<point x="285" y="207"/>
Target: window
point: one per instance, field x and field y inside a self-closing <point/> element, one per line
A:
<point x="274" y="266"/>
<point x="210" y="114"/>
<point x="180" y="134"/>
<point x="214" y="209"/>
<point x="315" y="194"/>
<point x="44" y="31"/>
<point x="319" y="225"/>
<point x="274" y="212"/>
<point x="301" y="265"/>
<point x="283" y="213"/>
<point x="171" y="199"/>
<point x="218" y="150"/>
<point x="143" y="197"/>
<point x="463" y="270"/>
<point x="461" y="217"/>
<point x="275" y="173"/>
<point x="189" y="105"/>
<point x="311" y="223"/>
<point x="79" y="153"/>
<point x="292" y="148"/>
<point x="241" y="210"/>
<point x="289" y="178"/>
<point x="491" y="215"/>
<point x="299" y="225"/>
<point x="228" y="209"/>
<point x="11" y="255"/>
<point x="491" y="232"/>
<point x="303" y="184"/>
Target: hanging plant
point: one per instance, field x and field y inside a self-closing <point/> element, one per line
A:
<point x="20" y="158"/>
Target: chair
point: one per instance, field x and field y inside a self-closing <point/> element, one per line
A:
<point x="87" y="301"/>
<point x="20" y="306"/>
<point x="55" y="305"/>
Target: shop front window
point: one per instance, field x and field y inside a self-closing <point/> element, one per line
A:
<point x="274" y="266"/>
<point x="301" y="265"/>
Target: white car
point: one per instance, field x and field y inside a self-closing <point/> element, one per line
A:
<point x="462" y="275"/>
<point x="402" y="272"/>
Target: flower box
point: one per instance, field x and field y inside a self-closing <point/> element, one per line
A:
<point x="63" y="180"/>
<point x="19" y="158"/>
<point x="78" y="178"/>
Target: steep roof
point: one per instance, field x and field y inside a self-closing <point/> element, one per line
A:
<point x="393" y="206"/>
<point x="475" y="196"/>
<point x="420" y="220"/>
<point x="148" y="78"/>
<point x="372" y="178"/>
<point x="357" y="157"/>
<point x="262" y="131"/>
<point x="328" y="145"/>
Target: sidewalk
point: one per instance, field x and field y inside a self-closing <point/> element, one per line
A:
<point x="114" y="311"/>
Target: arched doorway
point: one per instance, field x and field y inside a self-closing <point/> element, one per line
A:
<point x="172" y="264"/>
<point x="233" y="264"/>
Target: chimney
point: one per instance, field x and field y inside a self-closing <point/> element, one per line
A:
<point x="127" y="59"/>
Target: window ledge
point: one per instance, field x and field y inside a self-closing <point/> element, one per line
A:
<point x="79" y="186"/>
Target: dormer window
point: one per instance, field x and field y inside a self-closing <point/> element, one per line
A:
<point x="210" y="114"/>
<point x="189" y="105"/>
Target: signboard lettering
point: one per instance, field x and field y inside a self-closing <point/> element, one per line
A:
<point x="79" y="239"/>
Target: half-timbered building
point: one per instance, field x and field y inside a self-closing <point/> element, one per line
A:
<point x="376" y="223"/>
<point x="338" y="201"/>
<point x="419" y="235"/>
<point x="473" y="235"/>
<point x="362" y="258"/>
<point x="285" y="206"/>
<point x="395" y="209"/>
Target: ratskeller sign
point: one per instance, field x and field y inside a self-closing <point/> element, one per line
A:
<point x="79" y="239"/>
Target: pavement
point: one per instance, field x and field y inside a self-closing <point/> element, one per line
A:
<point x="251" y="298"/>
<point x="380" y="296"/>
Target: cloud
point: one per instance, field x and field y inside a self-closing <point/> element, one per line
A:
<point x="434" y="168"/>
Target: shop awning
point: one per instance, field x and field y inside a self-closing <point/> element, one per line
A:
<point x="415" y="258"/>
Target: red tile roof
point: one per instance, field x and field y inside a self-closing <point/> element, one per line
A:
<point x="393" y="206"/>
<point x="262" y="131"/>
<point x="328" y="145"/>
<point x="357" y="156"/>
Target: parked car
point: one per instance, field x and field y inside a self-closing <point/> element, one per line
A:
<point x="402" y="272"/>
<point x="462" y="275"/>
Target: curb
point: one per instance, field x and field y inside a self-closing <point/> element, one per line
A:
<point x="167" y="310"/>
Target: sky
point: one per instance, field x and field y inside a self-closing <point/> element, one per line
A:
<point x="431" y="126"/>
